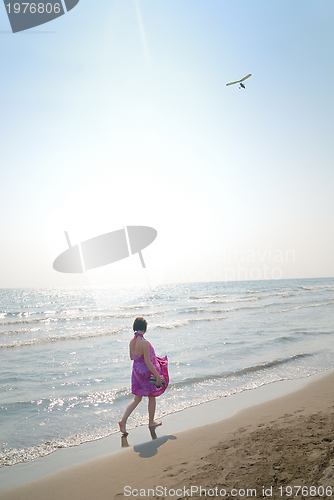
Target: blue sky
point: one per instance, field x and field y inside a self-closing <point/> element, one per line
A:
<point x="117" y="113"/>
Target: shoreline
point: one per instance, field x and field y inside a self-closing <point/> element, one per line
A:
<point x="192" y="420"/>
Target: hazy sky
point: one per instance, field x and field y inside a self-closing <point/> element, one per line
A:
<point x="117" y="114"/>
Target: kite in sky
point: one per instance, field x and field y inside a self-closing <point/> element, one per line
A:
<point x="242" y="86"/>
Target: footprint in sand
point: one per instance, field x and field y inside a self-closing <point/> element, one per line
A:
<point x="177" y="473"/>
<point x="168" y="468"/>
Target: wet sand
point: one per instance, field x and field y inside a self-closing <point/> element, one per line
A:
<point x="266" y="450"/>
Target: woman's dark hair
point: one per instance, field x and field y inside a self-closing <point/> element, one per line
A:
<point x="140" y="324"/>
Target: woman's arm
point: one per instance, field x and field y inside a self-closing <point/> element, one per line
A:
<point x="146" y="349"/>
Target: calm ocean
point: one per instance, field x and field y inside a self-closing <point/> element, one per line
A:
<point x="65" y="368"/>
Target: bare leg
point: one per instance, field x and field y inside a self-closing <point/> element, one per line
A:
<point x="131" y="406"/>
<point x="151" y="411"/>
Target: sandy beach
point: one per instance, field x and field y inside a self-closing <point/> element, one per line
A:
<point x="266" y="450"/>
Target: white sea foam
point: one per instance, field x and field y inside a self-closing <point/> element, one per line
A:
<point x="175" y="324"/>
<point x="56" y="338"/>
<point x="78" y="317"/>
<point x="241" y="299"/>
<point x="305" y="306"/>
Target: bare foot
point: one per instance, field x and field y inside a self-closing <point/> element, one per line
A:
<point x="122" y="428"/>
<point x="156" y="423"/>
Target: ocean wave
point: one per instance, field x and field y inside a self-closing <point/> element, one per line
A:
<point x="22" y="455"/>
<point x="220" y="299"/>
<point x="33" y="320"/>
<point x="280" y="293"/>
<point x="175" y="324"/>
<point x="17" y="314"/>
<point x="228" y="310"/>
<point x="204" y="297"/>
<point x="317" y="287"/>
<point x="20" y="331"/>
<point x="238" y="373"/>
<point x="20" y="314"/>
<point x="194" y="310"/>
<point x="270" y="364"/>
<point x="116" y="315"/>
<point x="248" y="299"/>
<point x="233" y="309"/>
<point x="56" y="338"/>
<point x="305" y="306"/>
<point x="79" y="398"/>
<point x="30" y="321"/>
<point x="16" y="456"/>
<point x="139" y="306"/>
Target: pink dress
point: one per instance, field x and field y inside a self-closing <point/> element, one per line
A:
<point x="141" y="385"/>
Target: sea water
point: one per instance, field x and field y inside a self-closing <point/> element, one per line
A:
<point x="65" y="368"/>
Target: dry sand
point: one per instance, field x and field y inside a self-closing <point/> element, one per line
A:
<point x="269" y="447"/>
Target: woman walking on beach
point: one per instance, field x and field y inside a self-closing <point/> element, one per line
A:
<point x="146" y="365"/>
